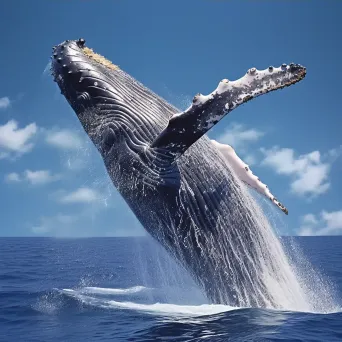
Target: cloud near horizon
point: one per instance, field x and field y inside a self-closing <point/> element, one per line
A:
<point x="326" y="223"/>
<point x="56" y="225"/>
<point x="82" y="224"/>
<point x="309" y="172"/>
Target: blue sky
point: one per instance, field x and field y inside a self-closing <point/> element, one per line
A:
<point x="52" y="181"/>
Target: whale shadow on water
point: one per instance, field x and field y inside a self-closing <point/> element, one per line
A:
<point x="187" y="191"/>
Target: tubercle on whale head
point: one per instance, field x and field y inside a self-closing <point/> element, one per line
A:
<point x="88" y="82"/>
<point x="80" y="44"/>
<point x="99" y="58"/>
<point x="81" y="75"/>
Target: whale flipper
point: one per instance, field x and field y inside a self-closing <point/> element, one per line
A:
<point x="187" y="127"/>
<point x="245" y="174"/>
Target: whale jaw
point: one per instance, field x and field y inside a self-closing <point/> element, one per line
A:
<point x="83" y="76"/>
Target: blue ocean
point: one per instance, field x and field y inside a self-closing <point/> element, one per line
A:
<point x="128" y="289"/>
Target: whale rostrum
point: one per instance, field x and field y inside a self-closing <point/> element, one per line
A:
<point x="187" y="191"/>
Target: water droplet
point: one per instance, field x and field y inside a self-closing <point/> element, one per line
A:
<point x="95" y="84"/>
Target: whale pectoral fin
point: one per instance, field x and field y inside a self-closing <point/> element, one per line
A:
<point x="245" y="174"/>
<point x="187" y="127"/>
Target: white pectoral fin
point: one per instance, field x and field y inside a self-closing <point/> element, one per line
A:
<point x="185" y="128"/>
<point x="245" y="174"/>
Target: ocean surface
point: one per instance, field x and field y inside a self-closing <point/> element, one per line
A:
<point x="127" y="289"/>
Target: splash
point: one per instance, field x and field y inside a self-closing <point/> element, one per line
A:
<point x="156" y="268"/>
<point x="106" y="291"/>
<point x="283" y="278"/>
<point x="173" y="309"/>
<point x="112" y="299"/>
<point x="280" y="279"/>
<point x="160" y="309"/>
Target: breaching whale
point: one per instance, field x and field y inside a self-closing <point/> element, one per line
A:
<point x="184" y="188"/>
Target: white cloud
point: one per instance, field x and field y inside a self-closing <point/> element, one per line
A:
<point x="81" y="195"/>
<point x="309" y="171"/>
<point x="250" y="159"/>
<point x="4" y="102"/>
<point x="309" y="219"/>
<point x="16" y="140"/>
<point x="12" y="177"/>
<point x="64" y="139"/>
<point x="38" y="177"/>
<point x="327" y="223"/>
<point x="238" y="136"/>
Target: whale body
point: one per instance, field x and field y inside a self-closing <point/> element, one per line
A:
<point x="184" y="188"/>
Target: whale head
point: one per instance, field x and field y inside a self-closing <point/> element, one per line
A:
<point x="85" y="81"/>
<point x="107" y="101"/>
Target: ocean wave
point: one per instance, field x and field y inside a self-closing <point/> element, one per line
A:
<point x="96" y="297"/>
<point x="84" y="296"/>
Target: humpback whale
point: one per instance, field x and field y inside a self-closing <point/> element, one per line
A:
<point x="184" y="188"/>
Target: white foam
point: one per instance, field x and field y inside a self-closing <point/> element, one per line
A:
<point x="155" y="308"/>
<point x="161" y="309"/>
<point x="173" y="309"/>
<point x="118" y="291"/>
